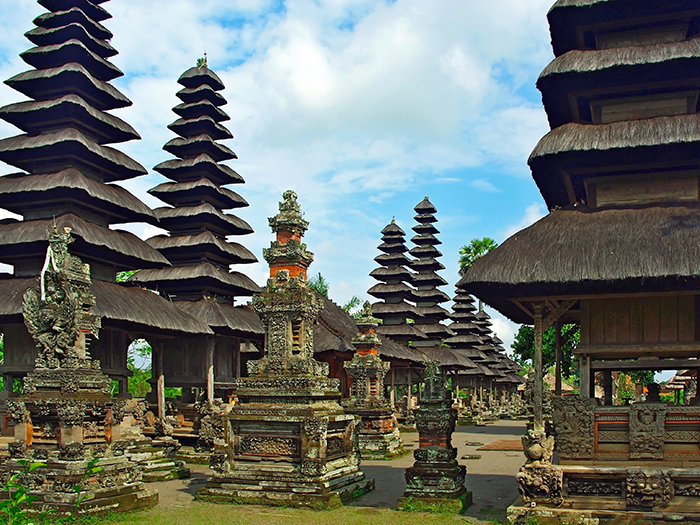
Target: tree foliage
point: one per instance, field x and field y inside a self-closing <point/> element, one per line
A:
<point x="353" y="306"/>
<point x="524" y="346"/>
<point x="318" y="282"/>
<point x="469" y="253"/>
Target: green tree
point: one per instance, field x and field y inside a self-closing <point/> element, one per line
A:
<point x="353" y="306"/>
<point x="524" y="346"/>
<point x="141" y="370"/>
<point x="469" y="253"/>
<point x="319" y="283"/>
<point x="124" y="276"/>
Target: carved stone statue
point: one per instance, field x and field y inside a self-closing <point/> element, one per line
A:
<point x="574" y="424"/>
<point x="646" y="423"/>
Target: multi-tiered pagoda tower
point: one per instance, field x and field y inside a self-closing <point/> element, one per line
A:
<point x="394" y="290"/>
<point x="618" y="255"/>
<point x="467" y="342"/>
<point x="200" y="281"/>
<point x="426" y="280"/>
<point x="67" y="179"/>
<point x="288" y="441"/>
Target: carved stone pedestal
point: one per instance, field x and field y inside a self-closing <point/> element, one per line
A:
<point x="378" y="435"/>
<point x="435" y="482"/>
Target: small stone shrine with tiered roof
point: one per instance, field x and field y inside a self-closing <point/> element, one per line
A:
<point x="288" y="442"/>
<point x="435" y="482"/>
<point x="378" y="433"/>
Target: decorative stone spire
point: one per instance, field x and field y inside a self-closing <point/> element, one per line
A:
<point x="427" y="281"/>
<point x="287" y="252"/>
<point x="436" y="477"/>
<point x="378" y="432"/>
<point x="393" y="289"/>
<point x="287" y="305"/>
<point x="288" y="419"/>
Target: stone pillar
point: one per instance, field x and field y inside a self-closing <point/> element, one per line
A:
<point x="160" y="380"/>
<point x="585" y="373"/>
<point x="211" y="345"/>
<point x="557" y="346"/>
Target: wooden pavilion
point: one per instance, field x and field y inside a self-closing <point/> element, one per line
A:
<point x="618" y="254"/>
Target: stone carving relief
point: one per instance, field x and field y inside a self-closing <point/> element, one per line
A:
<point x="574" y="424"/>
<point x="599" y="487"/>
<point x="540" y="484"/>
<point x="56" y="312"/>
<point x="646" y="423"/>
<point x="648" y="488"/>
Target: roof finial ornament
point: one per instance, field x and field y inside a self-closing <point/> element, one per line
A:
<point x="202" y="62"/>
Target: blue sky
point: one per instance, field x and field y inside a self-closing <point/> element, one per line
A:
<point x="361" y="106"/>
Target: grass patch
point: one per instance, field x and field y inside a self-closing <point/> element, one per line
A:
<point x="201" y="513"/>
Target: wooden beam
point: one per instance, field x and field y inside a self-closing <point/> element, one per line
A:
<point x="646" y="364"/>
<point x="211" y="345"/>
<point x="559" y="310"/>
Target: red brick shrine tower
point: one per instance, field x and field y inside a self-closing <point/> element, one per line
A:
<point x="378" y="432"/>
<point x="289" y="442"/>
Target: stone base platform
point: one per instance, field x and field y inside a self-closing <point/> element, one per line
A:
<point x="156" y="458"/>
<point x="117" y="487"/>
<point x="519" y="512"/>
<point x="644" y="493"/>
<point x="279" y="486"/>
<point x="189" y="455"/>
<point x="437" y="505"/>
<point x="386" y="445"/>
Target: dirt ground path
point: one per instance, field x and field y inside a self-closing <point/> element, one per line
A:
<point x="490" y="478"/>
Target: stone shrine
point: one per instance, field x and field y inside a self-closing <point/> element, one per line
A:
<point x="66" y="416"/>
<point x="378" y="433"/>
<point x="435" y="482"/>
<point x="288" y="442"/>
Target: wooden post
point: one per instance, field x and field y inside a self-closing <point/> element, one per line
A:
<point x="160" y="378"/>
<point x="537" y="369"/>
<point x="392" y="394"/>
<point x="211" y="345"/>
<point x="607" y="387"/>
<point x="409" y="380"/>
<point x="585" y="373"/>
<point x="557" y="346"/>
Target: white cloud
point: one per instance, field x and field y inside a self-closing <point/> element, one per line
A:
<point x="533" y="213"/>
<point x="485" y="185"/>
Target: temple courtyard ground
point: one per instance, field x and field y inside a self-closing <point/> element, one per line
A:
<point x="490" y="478"/>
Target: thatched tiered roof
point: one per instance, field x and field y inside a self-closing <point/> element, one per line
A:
<point x="394" y="291"/>
<point x="426" y="280"/>
<point x="655" y="248"/>
<point x="574" y="23"/>
<point x="198" y="228"/>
